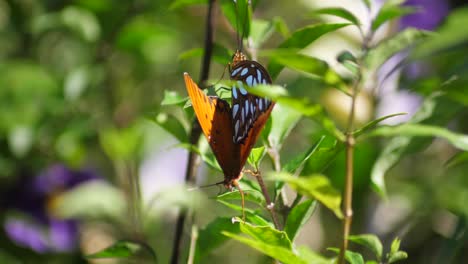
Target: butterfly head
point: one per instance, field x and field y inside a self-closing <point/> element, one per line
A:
<point x="238" y="57"/>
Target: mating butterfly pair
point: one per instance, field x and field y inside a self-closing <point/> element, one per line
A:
<point x="232" y="132"/>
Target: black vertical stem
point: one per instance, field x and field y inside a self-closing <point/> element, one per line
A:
<point x="194" y="133"/>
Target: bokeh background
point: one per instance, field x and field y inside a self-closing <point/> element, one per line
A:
<point x="81" y="85"/>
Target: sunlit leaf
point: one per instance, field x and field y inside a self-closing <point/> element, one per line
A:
<point x="347" y="59"/>
<point x="326" y="152"/>
<point x="459" y="141"/>
<point x="267" y="240"/>
<point x="389" y="47"/>
<point x="173" y="98"/>
<point x="299" y="216"/>
<point x="351" y="257"/>
<point x="82" y="21"/>
<point x="449" y="35"/>
<point x="283" y="120"/>
<point x="172" y="125"/>
<point x="313" y="67"/>
<point x="296" y="164"/>
<point x="124" y="249"/>
<point x="457" y="159"/>
<point x="239" y="15"/>
<point x="184" y="3"/>
<point x="338" y="12"/>
<point x="210" y="237"/>
<point x="434" y="109"/>
<point x="301" y="39"/>
<point x="369" y="241"/>
<point x="281" y="27"/>
<point x="220" y="54"/>
<point x="122" y="144"/>
<point x="312" y="257"/>
<point x="372" y="124"/>
<point x="397" y="256"/>
<point x="261" y="31"/>
<point x="256" y="156"/>
<point x="389" y="12"/>
<point x="395" y="246"/>
<point x="94" y="199"/>
<point x="249" y="195"/>
<point x="315" y="186"/>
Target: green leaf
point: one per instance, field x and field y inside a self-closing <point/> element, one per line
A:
<point x="256" y="156"/>
<point x="459" y="141"/>
<point x="326" y="152"/>
<point x="81" y="21"/>
<point x="351" y="257"/>
<point x="312" y="257"/>
<point x="221" y="54"/>
<point x="395" y="245"/>
<point x="122" y="144"/>
<point x="301" y="39"/>
<point x="94" y="199"/>
<point x="457" y="159"/>
<point x="252" y="216"/>
<point x="296" y="164"/>
<point x="173" y="98"/>
<point x="239" y="15"/>
<point x="260" y="32"/>
<point x="299" y="216"/>
<point x="184" y="3"/>
<point x="267" y="240"/>
<point x="338" y="12"/>
<point x="389" y="12"/>
<point x="315" y="186"/>
<point x="124" y="249"/>
<point x="389" y="47"/>
<point x="249" y="195"/>
<point x="367" y="3"/>
<point x="369" y="241"/>
<point x="206" y="155"/>
<point x="172" y="125"/>
<point x="372" y="124"/>
<point x="434" y="109"/>
<point x="347" y="59"/>
<point x="211" y="237"/>
<point x="449" y="35"/>
<point x="283" y="120"/>
<point x="314" y="67"/>
<point x="281" y="27"/>
<point x="397" y="256"/>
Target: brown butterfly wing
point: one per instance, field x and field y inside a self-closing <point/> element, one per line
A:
<point x="215" y="118"/>
<point x="246" y="108"/>
<point x="249" y="112"/>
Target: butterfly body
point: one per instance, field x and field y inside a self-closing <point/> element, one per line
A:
<point x="233" y="131"/>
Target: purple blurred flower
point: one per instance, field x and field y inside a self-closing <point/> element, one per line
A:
<point x="430" y="15"/>
<point x="30" y="223"/>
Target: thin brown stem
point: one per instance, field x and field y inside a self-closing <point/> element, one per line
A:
<point x="195" y="131"/>
<point x="269" y="205"/>
<point x="348" y="191"/>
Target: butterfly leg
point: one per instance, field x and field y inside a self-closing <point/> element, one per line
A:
<point x="236" y="184"/>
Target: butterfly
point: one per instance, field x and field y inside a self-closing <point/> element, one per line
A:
<point x="233" y="131"/>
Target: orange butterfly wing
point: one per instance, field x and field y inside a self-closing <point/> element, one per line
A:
<point x="215" y="118"/>
<point x="254" y="133"/>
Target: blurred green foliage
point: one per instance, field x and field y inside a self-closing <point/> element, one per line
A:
<point x="98" y="84"/>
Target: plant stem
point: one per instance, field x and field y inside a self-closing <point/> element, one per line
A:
<point x="195" y="132"/>
<point x="348" y="191"/>
<point x="269" y="205"/>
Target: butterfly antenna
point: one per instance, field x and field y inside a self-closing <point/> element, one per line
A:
<point x="236" y="184"/>
<point x="206" y="186"/>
